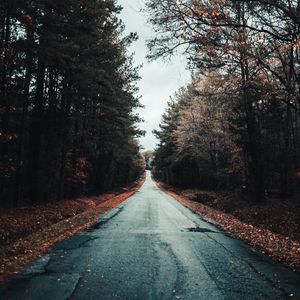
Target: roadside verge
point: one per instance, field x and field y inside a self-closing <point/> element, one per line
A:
<point x="280" y="247"/>
<point x="14" y="256"/>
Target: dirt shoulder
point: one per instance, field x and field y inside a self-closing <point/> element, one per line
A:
<point x="29" y="232"/>
<point x="272" y="227"/>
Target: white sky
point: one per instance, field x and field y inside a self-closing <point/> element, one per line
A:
<point x="160" y="80"/>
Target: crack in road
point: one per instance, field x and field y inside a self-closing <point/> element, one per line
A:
<point x="77" y="286"/>
<point x="262" y="275"/>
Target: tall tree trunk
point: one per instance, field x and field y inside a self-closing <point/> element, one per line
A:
<point x="256" y="164"/>
<point x="4" y="109"/>
<point x="51" y="132"/>
<point x="4" y="105"/>
<point x="65" y="126"/>
<point x="20" y="176"/>
<point x="287" y="161"/>
<point x="36" y="131"/>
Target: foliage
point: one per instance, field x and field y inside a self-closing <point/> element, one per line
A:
<point x="252" y="50"/>
<point x="67" y="100"/>
<point x="148" y="159"/>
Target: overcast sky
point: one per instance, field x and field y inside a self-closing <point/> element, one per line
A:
<point x="160" y="80"/>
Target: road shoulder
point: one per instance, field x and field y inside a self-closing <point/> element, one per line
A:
<point x="15" y="256"/>
<point x="280" y="248"/>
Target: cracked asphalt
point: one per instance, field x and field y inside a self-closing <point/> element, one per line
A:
<point x="152" y="247"/>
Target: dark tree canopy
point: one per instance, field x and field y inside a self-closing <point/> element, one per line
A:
<point x="67" y="100"/>
<point x="252" y="50"/>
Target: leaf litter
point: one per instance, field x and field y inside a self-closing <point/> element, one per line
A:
<point x="27" y="233"/>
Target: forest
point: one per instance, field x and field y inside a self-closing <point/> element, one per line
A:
<point x="236" y="125"/>
<point x="212" y="212"/>
<point x="68" y="96"/>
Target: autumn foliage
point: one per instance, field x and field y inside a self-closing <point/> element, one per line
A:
<point x="236" y="126"/>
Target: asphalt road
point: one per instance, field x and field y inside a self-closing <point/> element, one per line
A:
<point x="152" y="247"/>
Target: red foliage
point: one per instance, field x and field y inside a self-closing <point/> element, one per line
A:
<point x="27" y="19"/>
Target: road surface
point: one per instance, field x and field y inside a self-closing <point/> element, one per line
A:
<point x="152" y="247"/>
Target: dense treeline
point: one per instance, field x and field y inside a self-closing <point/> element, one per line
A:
<point x="148" y="156"/>
<point x="67" y="100"/>
<point x="237" y="124"/>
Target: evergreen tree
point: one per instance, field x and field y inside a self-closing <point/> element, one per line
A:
<point x="67" y="100"/>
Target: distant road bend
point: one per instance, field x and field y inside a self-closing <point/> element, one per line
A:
<point x="152" y="247"/>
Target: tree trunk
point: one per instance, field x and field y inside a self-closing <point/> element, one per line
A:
<point x="65" y="126"/>
<point x="4" y="105"/>
<point x="36" y="132"/>
<point x="20" y="176"/>
<point x="287" y="161"/>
